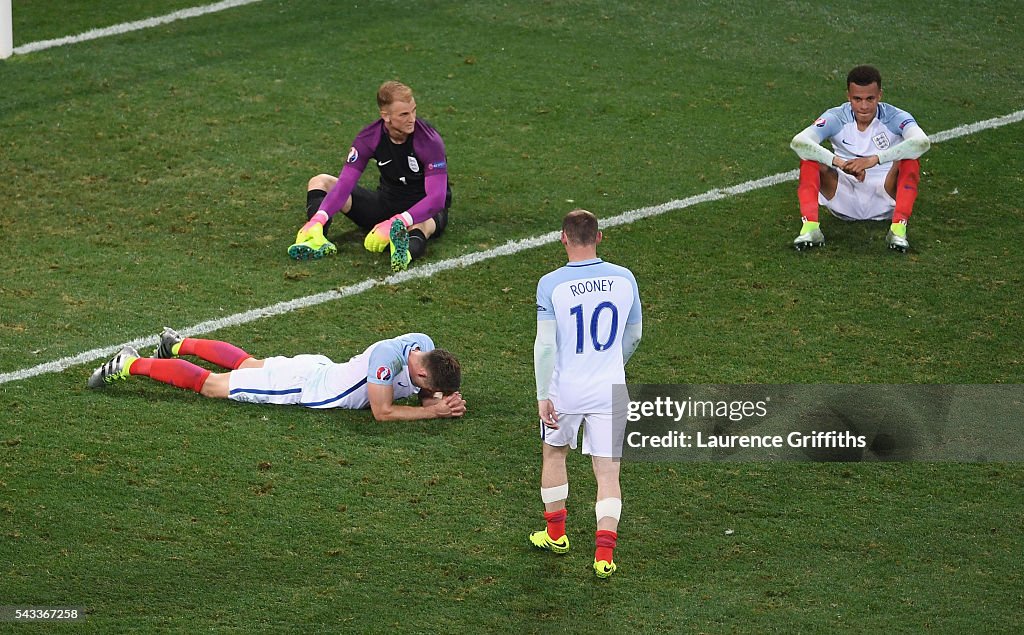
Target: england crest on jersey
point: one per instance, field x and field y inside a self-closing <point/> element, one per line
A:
<point x="414" y="164"/>
<point x="881" y="140"/>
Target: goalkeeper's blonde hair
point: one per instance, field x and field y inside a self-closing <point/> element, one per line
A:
<point x="392" y="91"/>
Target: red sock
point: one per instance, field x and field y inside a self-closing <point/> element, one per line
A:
<point x="214" y="351"/>
<point x="808" y="188"/>
<point x="556" y="523"/>
<point x="176" y="372"/>
<point x="605" y="541"/>
<point x="906" y="189"/>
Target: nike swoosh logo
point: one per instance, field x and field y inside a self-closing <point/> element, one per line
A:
<point x="847" y="142"/>
<point x="402" y="385"/>
<point x="384" y="162"/>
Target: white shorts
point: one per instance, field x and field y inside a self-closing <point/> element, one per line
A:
<point x="280" y="381"/>
<point x="600" y="438"/>
<point x="860" y="201"/>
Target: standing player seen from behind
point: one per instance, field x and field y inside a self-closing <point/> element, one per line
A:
<point x="411" y="203"/>
<point x="388" y="370"/>
<point x="872" y="172"/>
<point x="589" y="323"/>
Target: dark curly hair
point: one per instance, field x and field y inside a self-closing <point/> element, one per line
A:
<point x="864" y="76"/>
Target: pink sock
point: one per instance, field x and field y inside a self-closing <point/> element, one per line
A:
<point x="214" y="351"/>
<point x="176" y="372"/>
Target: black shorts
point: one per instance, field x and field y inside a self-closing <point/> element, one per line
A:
<point x="370" y="207"/>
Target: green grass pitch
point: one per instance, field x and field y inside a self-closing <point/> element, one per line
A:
<point x="157" y="178"/>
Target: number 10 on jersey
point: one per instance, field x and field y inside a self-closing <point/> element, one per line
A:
<point x="595" y="335"/>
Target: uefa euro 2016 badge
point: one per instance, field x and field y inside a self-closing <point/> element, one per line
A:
<point x="353" y="155"/>
<point x="414" y="165"/>
<point x="881" y="141"/>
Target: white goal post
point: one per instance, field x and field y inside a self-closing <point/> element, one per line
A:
<point x="6" y="30"/>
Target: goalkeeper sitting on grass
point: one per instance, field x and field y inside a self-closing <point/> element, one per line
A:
<point x="411" y="203"/>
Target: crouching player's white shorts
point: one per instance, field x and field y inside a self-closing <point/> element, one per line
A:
<point x="600" y="436"/>
<point x="855" y="200"/>
<point x="280" y="381"/>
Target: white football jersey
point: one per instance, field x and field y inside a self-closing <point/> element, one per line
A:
<point x="839" y="126"/>
<point x="385" y="362"/>
<point x="591" y="302"/>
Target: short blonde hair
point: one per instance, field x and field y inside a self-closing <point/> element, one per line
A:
<point x="392" y="91"/>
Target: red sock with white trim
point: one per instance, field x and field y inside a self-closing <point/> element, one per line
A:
<point x="214" y="351"/>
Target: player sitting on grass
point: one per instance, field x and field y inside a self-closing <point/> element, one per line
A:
<point x="411" y="203"/>
<point x="875" y="148"/>
<point x="388" y="370"/>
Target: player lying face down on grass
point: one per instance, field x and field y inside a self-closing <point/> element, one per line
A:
<point x="404" y="366"/>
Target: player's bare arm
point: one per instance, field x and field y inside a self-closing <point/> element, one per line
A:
<point x="384" y="408"/>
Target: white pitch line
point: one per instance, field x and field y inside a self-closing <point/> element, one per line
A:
<point x="427" y="271"/>
<point x="128" y="27"/>
<point x="971" y="128"/>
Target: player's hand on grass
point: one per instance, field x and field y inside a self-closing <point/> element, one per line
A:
<point x="547" y="413"/>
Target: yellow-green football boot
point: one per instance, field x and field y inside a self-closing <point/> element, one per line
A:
<point x="315" y="246"/>
<point x="604" y="569"/>
<point x="400" y="256"/>
<point x="542" y="540"/>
